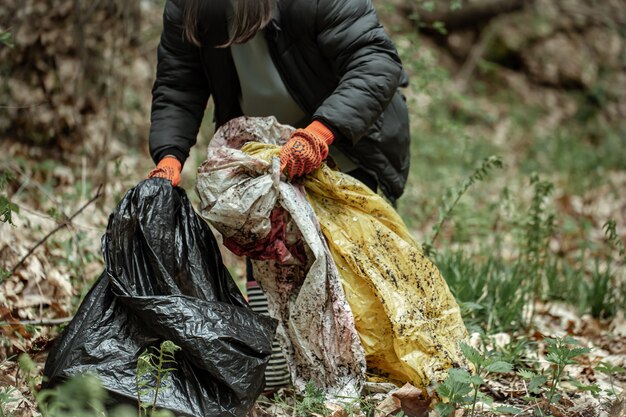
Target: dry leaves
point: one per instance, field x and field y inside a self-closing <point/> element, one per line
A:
<point x="410" y="400"/>
<point x="56" y="80"/>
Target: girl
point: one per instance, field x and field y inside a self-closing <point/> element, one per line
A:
<point x="326" y="67"/>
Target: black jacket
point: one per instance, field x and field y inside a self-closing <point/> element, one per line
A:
<point x="335" y="59"/>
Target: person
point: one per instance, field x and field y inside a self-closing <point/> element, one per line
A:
<point x="326" y="67"/>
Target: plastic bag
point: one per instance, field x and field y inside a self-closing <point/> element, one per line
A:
<point x="164" y="280"/>
<point x="244" y="199"/>
<point x="407" y="320"/>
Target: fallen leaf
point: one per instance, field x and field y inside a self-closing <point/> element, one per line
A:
<point x="389" y="406"/>
<point x="407" y="399"/>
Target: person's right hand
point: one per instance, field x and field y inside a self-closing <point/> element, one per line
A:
<point x="168" y="168"/>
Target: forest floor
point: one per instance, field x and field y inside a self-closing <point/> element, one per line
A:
<point x="530" y="240"/>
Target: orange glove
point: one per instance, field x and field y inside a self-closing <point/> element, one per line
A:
<point x="305" y="150"/>
<point x="168" y="168"/>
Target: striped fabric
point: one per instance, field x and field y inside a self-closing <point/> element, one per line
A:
<point x="276" y="373"/>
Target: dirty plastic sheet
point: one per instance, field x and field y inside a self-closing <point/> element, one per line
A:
<point x="407" y="320"/>
<point x="164" y="280"/>
<point x="239" y="196"/>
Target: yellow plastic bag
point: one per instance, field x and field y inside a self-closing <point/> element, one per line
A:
<point x="408" y="321"/>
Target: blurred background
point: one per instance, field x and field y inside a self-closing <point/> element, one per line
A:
<point x="518" y="176"/>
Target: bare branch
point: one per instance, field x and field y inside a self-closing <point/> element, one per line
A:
<point x="66" y="222"/>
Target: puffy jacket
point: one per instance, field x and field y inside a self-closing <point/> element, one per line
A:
<point x="335" y="59"/>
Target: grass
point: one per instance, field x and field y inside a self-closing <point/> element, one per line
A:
<point x="505" y="241"/>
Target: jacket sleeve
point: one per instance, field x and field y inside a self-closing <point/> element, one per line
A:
<point x="365" y="60"/>
<point x="180" y="92"/>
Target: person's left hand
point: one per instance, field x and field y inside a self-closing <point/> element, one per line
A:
<point x="305" y="151"/>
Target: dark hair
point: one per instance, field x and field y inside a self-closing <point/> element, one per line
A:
<point x="249" y="16"/>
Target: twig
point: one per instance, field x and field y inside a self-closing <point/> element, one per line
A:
<point x="65" y="223"/>
<point x="40" y="322"/>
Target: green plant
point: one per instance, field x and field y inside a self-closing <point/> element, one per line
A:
<point x="535" y="382"/>
<point x="6" y="398"/>
<point x="611" y="371"/>
<point x="311" y="402"/>
<point x="535" y="389"/>
<point x="601" y="297"/>
<point x="538" y="228"/>
<point x="82" y="395"/>
<point x="592" y="388"/>
<point x="79" y="396"/>
<point x="366" y="406"/>
<point x="6" y="38"/>
<point x="561" y="352"/>
<point x="485" y="287"/>
<point x="514" y="352"/>
<point x="154" y="366"/>
<point x="7" y="207"/>
<point x="4" y="274"/>
<point x="455" y="389"/>
<point x="484" y="363"/>
<point x="611" y="234"/>
<point x="29" y="371"/>
<point x="79" y="258"/>
<point x="453" y="196"/>
<point x="460" y="383"/>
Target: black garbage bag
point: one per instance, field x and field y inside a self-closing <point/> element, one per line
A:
<point x="164" y="280"/>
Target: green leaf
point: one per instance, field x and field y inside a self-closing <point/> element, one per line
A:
<point x="6" y="39"/>
<point x="444" y="409"/>
<point x="456" y="5"/>
<point x="594" y="389"/>
<point x="476" y="380"/>
<point x="471" y="306"/>
<point x="571" y="341"/>
<point x="440" y="27"/>
<point x="535" y="384"/>
<point x="553" y="358"/>
<point x="429" y="5"/>
<point x="608" y="368"/>
<point x="445" y="390"/>
<point x="472" y="354"/>
<point x="459" y="375"/>
<point x="26" y="364"/>
<point x="499" y="367"/>
<point x="526" y="374"/>
<point x="456" y="386"/>
<point x="4" y="274"/>
<point x="578" y="352"/>
<point x="7" y="208"/>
